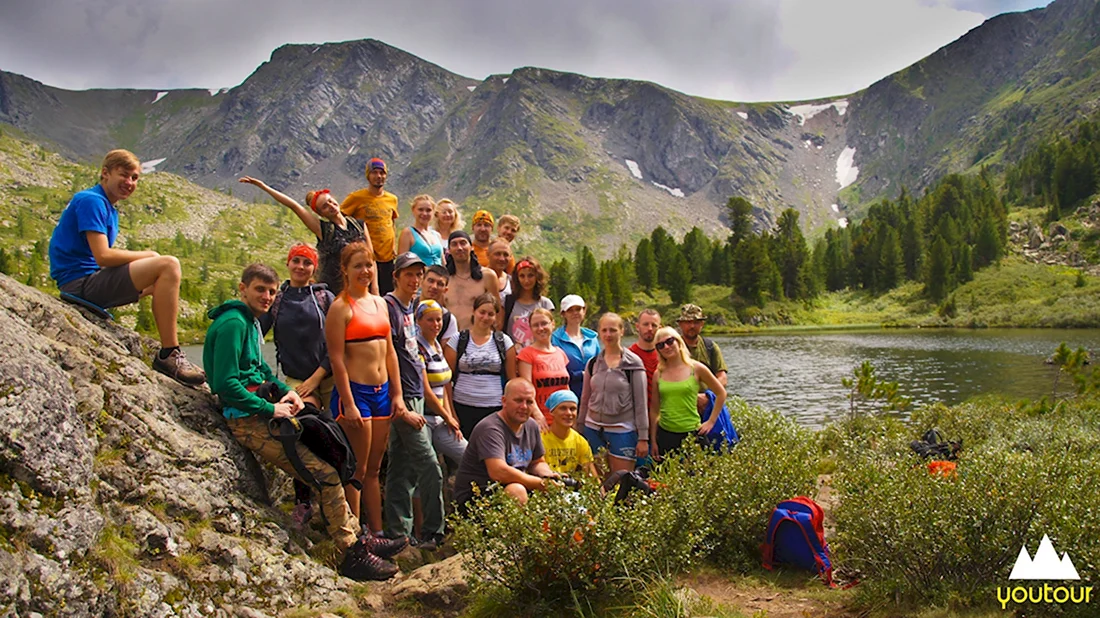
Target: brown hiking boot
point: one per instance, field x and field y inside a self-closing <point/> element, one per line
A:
<point x="177" y="367"/>
<point x="361" y="565"/>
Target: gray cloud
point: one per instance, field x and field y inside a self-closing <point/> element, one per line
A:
<point x="733" y="49"/>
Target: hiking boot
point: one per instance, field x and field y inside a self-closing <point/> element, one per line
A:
<point x="301" y="515"/>
<point x="383" y="547"/>
<point x="361" y="565"/>
<point x="177" y="367"/>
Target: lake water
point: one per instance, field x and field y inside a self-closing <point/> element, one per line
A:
<point x="799" y="373"/>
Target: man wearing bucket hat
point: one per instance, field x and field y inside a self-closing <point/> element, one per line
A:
<point x="702" y="349"/>
<point x="413" y="461"/>
<point x="377" y="208"/>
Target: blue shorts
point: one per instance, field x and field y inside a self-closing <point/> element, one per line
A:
<point x="372" y="401"/>
<point x="621" y="444"/>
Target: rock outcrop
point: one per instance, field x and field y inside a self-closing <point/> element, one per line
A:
<point x="122" y="492"/>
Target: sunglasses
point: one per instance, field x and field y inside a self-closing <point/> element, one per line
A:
<point x="660" y="345"/>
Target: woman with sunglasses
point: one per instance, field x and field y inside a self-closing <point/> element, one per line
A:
<point x="673" y="399"/>
<point x="333" y="230"/>
<point x="613" y="413"/>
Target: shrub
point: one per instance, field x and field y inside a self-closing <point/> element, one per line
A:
<point x="580" y="549"/>
<point x="921" y="539"/>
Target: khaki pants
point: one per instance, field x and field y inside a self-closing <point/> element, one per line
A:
<point x="323" y="392"/>
<point x="251" y="432"/>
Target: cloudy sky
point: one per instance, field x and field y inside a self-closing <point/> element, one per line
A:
<point x="742" y="50"/>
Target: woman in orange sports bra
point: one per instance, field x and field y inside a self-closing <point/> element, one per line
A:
<point x="366" y="378"/>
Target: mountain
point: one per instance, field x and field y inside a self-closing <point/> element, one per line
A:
<point x="585" y="160"/>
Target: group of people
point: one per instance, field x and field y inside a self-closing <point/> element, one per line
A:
<point x="423" y="350"/>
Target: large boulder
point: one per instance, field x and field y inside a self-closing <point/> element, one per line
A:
<point x="122" y="492"/>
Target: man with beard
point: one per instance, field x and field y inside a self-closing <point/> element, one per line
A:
<point x="468" y="279"/>
<point x="649" y="320"/>
<point x="483" y="224"/>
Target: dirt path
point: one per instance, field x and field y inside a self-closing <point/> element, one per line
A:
<point x="784" y="597"/>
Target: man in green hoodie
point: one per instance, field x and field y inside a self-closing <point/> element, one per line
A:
<point x="235" y="370"/>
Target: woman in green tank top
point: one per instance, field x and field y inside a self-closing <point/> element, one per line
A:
<point x="673" y="413"/>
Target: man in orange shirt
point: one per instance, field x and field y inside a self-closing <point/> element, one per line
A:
<point x="483" y="224"/>
<point x="377" y="208"/>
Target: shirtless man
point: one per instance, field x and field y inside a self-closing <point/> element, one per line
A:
<point x="466" y="283"/>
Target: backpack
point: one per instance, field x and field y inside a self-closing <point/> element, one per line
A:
<point x="447" y="317"/>
<point x="933" y="445"/>
<point x="318" y="433"/>
<point x="796" y="537"/>
<point x="464" y="342"/>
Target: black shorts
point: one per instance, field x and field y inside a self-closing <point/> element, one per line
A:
<point x="385" y="277"/>
<point x="108" y="287"/>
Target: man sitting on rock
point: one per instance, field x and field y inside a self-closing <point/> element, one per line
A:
<point x="85" y="263"/>
<point x="233" y="356"/>
<point x="505" y="448"/>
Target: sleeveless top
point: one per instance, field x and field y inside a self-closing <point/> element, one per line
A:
<point x="679" y="412"/>
<point x="329" y="245"/>
<point x="365" y="326"/>
<point x="429" y="249"/>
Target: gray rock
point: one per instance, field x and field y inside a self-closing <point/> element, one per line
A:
<point x="440" y="585"/>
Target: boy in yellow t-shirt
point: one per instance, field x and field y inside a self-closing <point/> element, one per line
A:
<point x="567" y="452"/>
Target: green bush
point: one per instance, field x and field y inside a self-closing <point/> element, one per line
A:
<point x="919" y="539"/>
<point x="578" y="548"/>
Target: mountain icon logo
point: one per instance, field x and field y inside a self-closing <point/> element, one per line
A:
<point x="1046" y="565"/>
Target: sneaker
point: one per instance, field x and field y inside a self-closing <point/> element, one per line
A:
<point x="383" y="547"/>
<point x="361" y="565"/>
<point x="301" y="515"/>
<point x="177" y="367"/>
<point x="430" y="543"/>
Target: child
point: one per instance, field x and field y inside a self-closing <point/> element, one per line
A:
<point x="567" y="451"/>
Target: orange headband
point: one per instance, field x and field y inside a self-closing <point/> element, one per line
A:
<point x="302" y="250"/>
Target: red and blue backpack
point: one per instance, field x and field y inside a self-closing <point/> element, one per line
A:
<point x="796" y="537"/>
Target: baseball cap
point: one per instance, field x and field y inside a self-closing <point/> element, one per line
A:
<point x="571" y="300"/>
<point x="406" y="260"/>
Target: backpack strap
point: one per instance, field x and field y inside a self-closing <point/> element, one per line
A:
<point x="463" y="343"/>
<point x="509" y="306"/>
<point x="447" y="317"/>
<point x="498" y="338"/>
<point x="712" y="353"/>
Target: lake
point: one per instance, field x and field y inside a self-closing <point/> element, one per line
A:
<point x="799" y="373"/>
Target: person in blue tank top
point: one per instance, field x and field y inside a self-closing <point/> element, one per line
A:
<point x="420" y="237"/>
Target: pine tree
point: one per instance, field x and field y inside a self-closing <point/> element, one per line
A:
<point x="987" y="248"/>
<point x="891" y="265"/>
<point x="964" y="268"/>
<point x="757" y="278"/>
<point x="739" y="211"/>
<point x="603" y="288"/>
<point x="561" y="280"/>
<point x="586" y="282"/>
<point x="662" y="243"/>
<point x="679" y="285"/>
<point x="791" y="255"/>
<point x="645" y="265"/>
<point x="696" y="249"/>
<point x="618" y="280"/>
<point x="937" y="281"/>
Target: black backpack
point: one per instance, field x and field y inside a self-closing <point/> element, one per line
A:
<point x="319" y="433"/>
<point x="464" y="342"/>
<point x="933" y="445"/>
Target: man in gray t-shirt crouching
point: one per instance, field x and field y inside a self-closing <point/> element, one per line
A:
<point x="505" y="448"/>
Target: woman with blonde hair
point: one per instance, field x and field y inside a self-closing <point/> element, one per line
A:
<point x="447" y="218"/>
<point x="613" y="414"/>
<point x="673" y="398"/>
<point x="419" y="237"/>
<point x="367" y="382"/>
<point x="333" y="229"/>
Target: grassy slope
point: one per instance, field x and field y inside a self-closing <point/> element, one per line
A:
<point x="211" y="233"/>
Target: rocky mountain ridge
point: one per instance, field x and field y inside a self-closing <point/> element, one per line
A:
<point x="591" y="161"/>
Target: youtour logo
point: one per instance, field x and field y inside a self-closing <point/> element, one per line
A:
<point x="1046" y="566"/>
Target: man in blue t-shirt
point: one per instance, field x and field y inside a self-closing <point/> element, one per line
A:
<point x="85" y="264"/>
